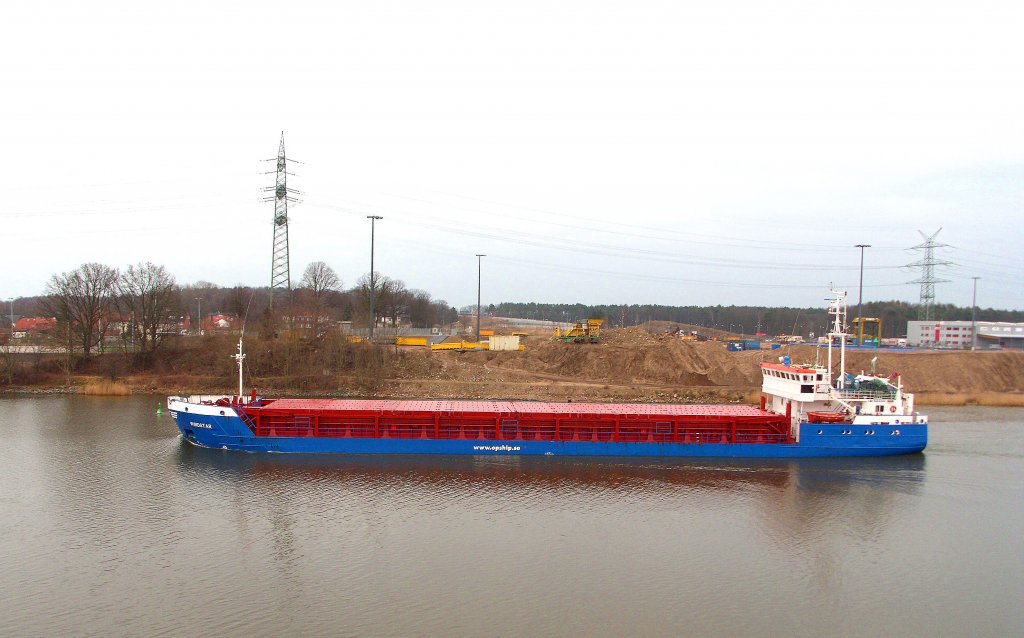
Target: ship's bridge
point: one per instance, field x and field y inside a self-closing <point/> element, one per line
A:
<point x="795" y="383"/>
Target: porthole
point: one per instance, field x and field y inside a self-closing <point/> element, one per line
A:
<point x="222" y="412"/>
<point x="820" y="432"/>
<point x="895" y="432"/>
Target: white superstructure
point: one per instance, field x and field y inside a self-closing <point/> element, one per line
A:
<point x="812" y="394"/>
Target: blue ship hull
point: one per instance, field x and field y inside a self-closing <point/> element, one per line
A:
<point x="816" y="440"/>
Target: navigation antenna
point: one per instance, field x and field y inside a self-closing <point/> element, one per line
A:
<point x="281" y="195"/>
<point x="928" y="279"/>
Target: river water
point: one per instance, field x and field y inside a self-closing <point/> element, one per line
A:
<point x="110" y="524"/>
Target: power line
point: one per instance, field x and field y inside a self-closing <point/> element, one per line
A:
<point x="578" y="246"/>
<point x="662" y="233"/>
<point x="628" y="276"/>
<point x="662" y="278"/>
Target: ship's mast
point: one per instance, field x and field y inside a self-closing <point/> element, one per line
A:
<point x="837" y="308"/>
<point x="240" y="357"/>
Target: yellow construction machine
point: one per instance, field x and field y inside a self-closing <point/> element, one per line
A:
<point x="588" y="332"/>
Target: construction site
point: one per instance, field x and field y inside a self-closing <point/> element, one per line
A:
<point x="661" y="363"/>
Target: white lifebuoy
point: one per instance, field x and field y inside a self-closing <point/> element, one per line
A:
<point x="892" y="408"/>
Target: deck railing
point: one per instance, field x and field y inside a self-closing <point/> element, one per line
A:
<point x="878" y="395"/>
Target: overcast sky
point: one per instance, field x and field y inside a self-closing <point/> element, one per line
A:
<point x="597" y="152"/>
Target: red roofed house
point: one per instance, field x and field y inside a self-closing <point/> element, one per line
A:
<point x="33" y="325"/>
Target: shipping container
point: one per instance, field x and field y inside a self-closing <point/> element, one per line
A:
<point x="504" y="343"/>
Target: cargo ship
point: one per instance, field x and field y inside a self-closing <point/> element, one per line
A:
<point x="805" y="411"/>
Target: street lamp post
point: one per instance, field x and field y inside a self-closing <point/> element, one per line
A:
<point x="974" y="305"/>
<point x="860" y="295"/>
<point x="200" y="322"/>
<point x="373" y="317"/>
<point x="478" y="271"/>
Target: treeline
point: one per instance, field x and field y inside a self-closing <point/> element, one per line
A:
<point x="147" y="305"/>
<point x="746" y="319"/>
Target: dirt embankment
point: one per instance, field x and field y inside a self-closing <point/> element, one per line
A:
<point x="631" y="356"/>
<point x="631" y="364"/>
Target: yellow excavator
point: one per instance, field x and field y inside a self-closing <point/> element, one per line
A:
<point x="581" y="332"/>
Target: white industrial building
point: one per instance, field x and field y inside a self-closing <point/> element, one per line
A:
<point x="957" y="335"/>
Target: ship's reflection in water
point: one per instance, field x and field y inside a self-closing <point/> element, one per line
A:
<point x="560" y="533"/>
<point x="831" y="476"/>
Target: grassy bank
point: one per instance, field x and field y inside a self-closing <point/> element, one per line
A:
<point x="106" y="389"/>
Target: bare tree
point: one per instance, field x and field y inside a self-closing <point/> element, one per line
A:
<point x="394" y="300"/>
<point x="7" y="364"/>
<point x="82" y="299"/>
<point x="148" y="293"/>
<point x="240" y="301"/>
<point x="363" y="296"/>
<point x="320" y="280"/>
<point x="390" y="296"/>
<point x="423" y="311"/>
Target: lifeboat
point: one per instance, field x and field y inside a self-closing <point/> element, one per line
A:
<point x="825" y="417"/>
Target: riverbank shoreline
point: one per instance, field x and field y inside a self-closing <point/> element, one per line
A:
<point x="626" y="366"/>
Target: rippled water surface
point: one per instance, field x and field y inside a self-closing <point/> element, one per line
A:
<point x="110" y="524"/>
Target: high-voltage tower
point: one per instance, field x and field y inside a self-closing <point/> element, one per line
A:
<point x="928" y="278"/>
<point x="280" y="273"/>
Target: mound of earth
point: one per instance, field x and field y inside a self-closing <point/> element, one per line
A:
<point x="633" y="361"/>
<point x="632" y="356"/>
